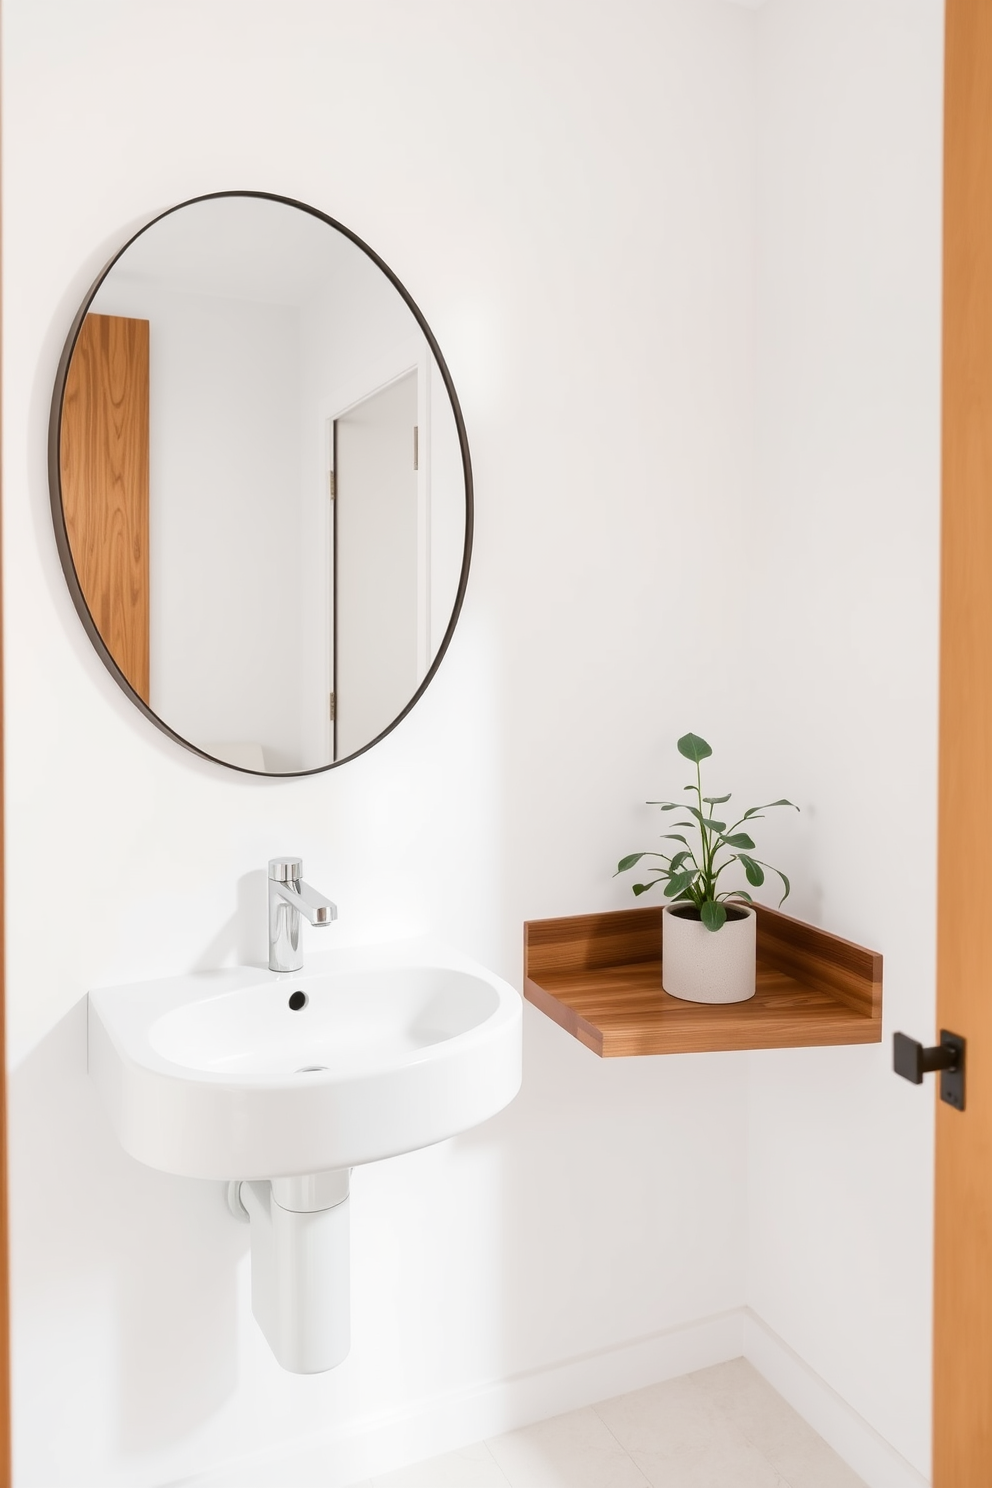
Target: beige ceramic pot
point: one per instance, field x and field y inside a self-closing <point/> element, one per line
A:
<point x="700" y="965"/>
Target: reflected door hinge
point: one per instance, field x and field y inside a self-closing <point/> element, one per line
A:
<point x="331" y="489"/>
<point x="416" y="446"/>
<point x="331" y="706"/>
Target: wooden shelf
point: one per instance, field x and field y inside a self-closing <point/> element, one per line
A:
<point x="599" y="977"/>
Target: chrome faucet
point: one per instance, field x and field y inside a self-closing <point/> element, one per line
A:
<point x="289" y="899"/>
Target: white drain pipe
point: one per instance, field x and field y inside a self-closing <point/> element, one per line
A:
<point x="300" y="1266"/>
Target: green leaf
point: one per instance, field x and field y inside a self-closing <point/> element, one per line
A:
<point x="643" y="888"/>
<point x="714" y="826"/>
<point x="678" y="883"/>
<point x="767" y="807"/>
<point x="788" y="886"/>
<point x="677" y="860"/>
<point x="692" y="747"/>
<point x="739" y="839"/>
<point x="715" y="800"/>
<point x="755" y="872"/>
<point x="736" y="894"/>
<point x="665" y="805"/>
<point x="712" y="914"/>
<point x="630" y="860"/>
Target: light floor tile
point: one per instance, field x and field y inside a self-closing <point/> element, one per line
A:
<point x="715" y="1464"/>
<point x="472" y="1467"/>
<point x="719" y="1421"/>
<point x="741" y="1395"/>
<point x="668" y="1420"/>
<point x="723" y="1427"/>
<point x="817" y="1466"/>
<point x="572" y="1451"/>
<point x="771" y="1425"/>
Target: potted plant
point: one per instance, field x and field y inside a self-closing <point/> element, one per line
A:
<point x="708" y="935"/>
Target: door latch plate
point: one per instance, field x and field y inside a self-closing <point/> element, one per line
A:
<point x="952" y="1080"/>
<point x="912" y="1061"/>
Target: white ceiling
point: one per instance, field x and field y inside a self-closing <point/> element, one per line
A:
<point x="242" y="248"/>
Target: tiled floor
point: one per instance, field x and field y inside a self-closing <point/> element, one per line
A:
<point x="720" y="1428"/>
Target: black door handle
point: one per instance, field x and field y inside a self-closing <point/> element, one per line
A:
<point x="911" y="1060"/>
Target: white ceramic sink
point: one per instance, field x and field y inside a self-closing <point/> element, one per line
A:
<point x="220" y="1075"/>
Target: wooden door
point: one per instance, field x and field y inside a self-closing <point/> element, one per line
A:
<point x="104" y="461"/>
<point x="963" y="1257"/>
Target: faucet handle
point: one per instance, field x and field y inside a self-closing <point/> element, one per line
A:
<point x="286" y="870"/>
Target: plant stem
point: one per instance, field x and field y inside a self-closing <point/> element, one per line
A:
<point x="704" y="835"/>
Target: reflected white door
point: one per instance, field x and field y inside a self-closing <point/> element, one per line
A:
<point x="375" y="561"/>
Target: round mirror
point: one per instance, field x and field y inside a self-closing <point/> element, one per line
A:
<point x="260" y="484"/>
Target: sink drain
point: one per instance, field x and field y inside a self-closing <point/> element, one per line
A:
<point x="311" y="1069"/>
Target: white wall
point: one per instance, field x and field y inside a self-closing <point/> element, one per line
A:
<point x="846" y="537"/>
<point x="570" y="193"/>
<point x="466" y="144"/>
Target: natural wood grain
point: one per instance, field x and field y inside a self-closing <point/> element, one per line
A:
<point x="599" y="977"/>
<point x="583" y="942"/>
<point x="104" y="467"/>
<point x="963" y="1238"/>
<point x="821" y="960"/>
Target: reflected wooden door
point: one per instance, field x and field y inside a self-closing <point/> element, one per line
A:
<point x="105" y="484"/>
<point x="963" y="1255"/>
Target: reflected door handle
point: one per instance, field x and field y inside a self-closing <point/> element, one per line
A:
<point x="911" y="1060"/>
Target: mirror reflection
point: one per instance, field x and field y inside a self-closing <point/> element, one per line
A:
<point x="262" y="503"/>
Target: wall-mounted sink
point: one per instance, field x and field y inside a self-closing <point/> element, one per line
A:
<point x="254" y="1074"/>
<point x="280" y="1083"/>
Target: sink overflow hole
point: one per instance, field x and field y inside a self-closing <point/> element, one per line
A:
<point x="311" y="1069"/>
<point x="298" y="1000"/>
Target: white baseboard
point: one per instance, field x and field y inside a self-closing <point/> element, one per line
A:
<point x="366" y="1448"/>
<point x="378" y="1444"/>
<point x="850" y="1435"/>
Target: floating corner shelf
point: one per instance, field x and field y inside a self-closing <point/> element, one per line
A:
<point x="599" y="977"/>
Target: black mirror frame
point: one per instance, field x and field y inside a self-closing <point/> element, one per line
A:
<point x="58" y="511"/>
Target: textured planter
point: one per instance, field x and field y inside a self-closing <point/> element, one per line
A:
<point x="700" y="965"/>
